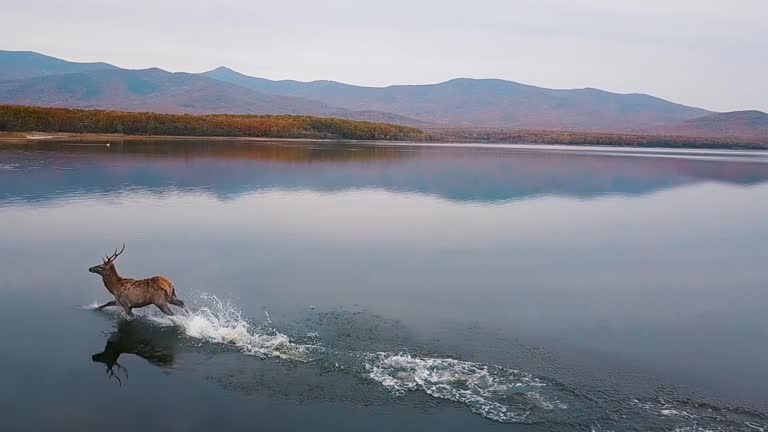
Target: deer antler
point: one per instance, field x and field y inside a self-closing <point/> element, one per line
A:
<point x="116" y="254"/>
<point x="111" y="373"/>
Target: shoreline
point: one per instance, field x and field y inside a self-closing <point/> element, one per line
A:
<point x="64" y="136"/>
<point x="647" y="142"/>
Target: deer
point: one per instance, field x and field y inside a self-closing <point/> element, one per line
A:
<point x="135" y="293"/>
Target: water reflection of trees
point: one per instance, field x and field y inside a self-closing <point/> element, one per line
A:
<point x="286" y="151"/>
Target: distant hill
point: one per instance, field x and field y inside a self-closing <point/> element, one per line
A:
<point x="30" y="78"/>
<point x="485" y="103"/>
<point x="739" y="124"/>
<point x="28" y="64"/>
<point x="160" y="91"/>
<point x="151" y="90"/>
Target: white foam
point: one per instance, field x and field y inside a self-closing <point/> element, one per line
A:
<point x="695" y="429"/>
<point x="681" y="417"/>
<point x="497" y="393"/>
<point x="484" y="389"/>
<point x="218" y="322"/>
<point x="597" y="428"/>
<point x="674" y="412"/>
<point x="91" y="306"/>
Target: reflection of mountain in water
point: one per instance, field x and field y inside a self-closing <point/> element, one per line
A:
<point x="44" y="172"/>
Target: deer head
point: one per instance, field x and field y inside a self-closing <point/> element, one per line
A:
<point x="108" y="265"/>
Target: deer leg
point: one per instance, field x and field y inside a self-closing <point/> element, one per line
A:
<point x="164" y="307"/>
<point x="176" y="302"/>
<point x="107" y="304"/>
<point x="128" y="310"/>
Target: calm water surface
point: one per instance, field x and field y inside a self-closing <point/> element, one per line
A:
<point x="348" y="287"/>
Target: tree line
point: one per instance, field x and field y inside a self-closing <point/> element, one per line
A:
<point x="18" y="118"/>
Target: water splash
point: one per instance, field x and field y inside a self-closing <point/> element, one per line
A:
<point x="220" y="322"/>
<point x="695" y="416"/>
<point x="91" y="306"/>
<point x="497" y="393"/>
<point x="494" y="392"/>
<point x="211" y="320"/>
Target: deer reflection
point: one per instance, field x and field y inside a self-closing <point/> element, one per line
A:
<point x="157" y="345"/>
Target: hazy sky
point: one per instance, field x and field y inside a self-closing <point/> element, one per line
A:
<point x="707" y="53"/>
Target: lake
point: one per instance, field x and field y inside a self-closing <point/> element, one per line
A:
<point x="339" y="286"/>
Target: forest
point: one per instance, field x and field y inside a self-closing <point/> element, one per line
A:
<point x="18" y="118"/>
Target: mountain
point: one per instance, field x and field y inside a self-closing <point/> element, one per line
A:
<point x="737" y="124"/>
<point x="151" y="90"/>
<point x="160" y="91"/>
<point x="485" y="103"/>
<point x="34" y="79"/>
<point x="28" y="64"/>
<point x="29" y="78"/>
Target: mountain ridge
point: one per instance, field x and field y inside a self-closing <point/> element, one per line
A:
<point x="35" y="79"/>
<point x="487" y="102"/>
<point x="745" y="124"/>
<point x="158" y="90"/>
<point x="29" y="64"/>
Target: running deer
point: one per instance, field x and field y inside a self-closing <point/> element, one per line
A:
<point x="132" y="293"/>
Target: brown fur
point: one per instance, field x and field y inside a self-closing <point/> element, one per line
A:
<point x="136" y="293"/>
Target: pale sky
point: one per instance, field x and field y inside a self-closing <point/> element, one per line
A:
<point x="707" y="53"/>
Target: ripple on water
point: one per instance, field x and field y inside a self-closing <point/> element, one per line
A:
<point x="494" y="392"/>
<point x="696" y="416"/>
<point x="497" y="393"/>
